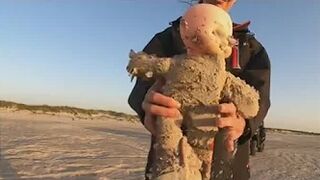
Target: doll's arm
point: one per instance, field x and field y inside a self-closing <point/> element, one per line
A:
<point x="148" y="66"/>
<point x="244" y="97"/>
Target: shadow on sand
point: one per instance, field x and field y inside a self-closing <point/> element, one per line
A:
<point x="6" y="170"/>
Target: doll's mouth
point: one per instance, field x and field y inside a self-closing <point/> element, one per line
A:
<point x="132" y="72"/>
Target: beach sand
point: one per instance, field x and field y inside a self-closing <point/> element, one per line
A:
<point x="42" y="146"/>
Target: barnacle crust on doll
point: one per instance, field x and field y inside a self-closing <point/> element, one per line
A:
<point x="198" y="80"/>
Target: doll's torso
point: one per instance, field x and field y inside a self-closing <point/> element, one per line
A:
<point x="196" y="80"/>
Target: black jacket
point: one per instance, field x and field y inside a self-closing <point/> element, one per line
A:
<point x="255" y="70"/>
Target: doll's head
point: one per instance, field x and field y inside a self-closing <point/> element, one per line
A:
<point x="206" y="29"/>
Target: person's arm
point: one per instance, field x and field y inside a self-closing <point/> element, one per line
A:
<point x="156" y="46"/>
<point x="257" y="74"/>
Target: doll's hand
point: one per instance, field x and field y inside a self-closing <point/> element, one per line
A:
<point x="232" y="121"/>
<point x="157" y="104"/>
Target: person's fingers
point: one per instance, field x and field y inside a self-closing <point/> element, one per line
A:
<point x="160" y="110"/>
<point x="154" y="96"/>
<point x="229" y="144"/>
<point x="231" y="137"/>
<point x="227" y="108"/>
<point x="160" y="99"/>
<point x="224" y="122"/>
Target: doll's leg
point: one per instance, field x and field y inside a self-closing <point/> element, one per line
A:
<point x="175" y="158"/>
<point x="168" y="137"/>
<point x="202" y="144"/>
<point x="189" y="167"/>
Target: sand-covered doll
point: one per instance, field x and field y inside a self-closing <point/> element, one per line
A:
<point x="198" y="80"/>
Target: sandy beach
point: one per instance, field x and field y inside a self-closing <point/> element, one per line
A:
<point x="42" y="146"/>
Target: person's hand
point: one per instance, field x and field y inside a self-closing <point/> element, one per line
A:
<point x="157" y="104"/>
<point x="232" y="122"/>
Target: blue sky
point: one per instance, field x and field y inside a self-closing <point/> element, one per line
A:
<point x="74" y="52"/>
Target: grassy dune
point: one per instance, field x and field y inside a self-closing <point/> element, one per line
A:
<point x="66" y="109"/>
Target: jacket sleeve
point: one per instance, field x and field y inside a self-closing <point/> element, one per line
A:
<point x="156" y="46"/>
<point x="257" y="74"/>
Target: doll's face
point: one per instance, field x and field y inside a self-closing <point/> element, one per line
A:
<point x="206" y="29"/>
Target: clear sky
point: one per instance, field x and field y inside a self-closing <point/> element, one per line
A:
<point x="74" y="52"/>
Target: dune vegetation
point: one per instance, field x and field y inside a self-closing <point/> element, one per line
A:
<point x="75" y="111"/>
